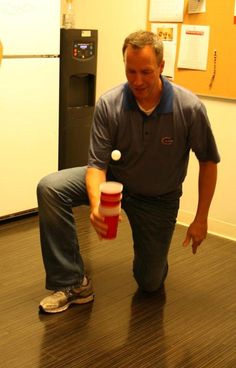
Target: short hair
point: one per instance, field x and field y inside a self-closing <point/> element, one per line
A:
<point x="142" y="38"/>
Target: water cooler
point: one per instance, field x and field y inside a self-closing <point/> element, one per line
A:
<point x="78" y="65"/>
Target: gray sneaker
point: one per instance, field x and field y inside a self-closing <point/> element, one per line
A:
<point x="59" y="301"/>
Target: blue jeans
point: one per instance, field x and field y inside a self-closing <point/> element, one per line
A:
<point x="152" y="222"/>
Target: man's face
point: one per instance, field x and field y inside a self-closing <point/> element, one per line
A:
<point x="143" y="72"/>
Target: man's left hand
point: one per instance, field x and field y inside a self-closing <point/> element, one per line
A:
<point x="196" y="233"/>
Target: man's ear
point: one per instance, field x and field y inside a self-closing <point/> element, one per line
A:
<point x="162" y="64"/>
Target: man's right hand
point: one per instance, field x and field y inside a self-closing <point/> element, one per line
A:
<point x="97" y="220"/>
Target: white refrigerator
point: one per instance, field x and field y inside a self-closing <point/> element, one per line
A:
<point x="29" y="99"/>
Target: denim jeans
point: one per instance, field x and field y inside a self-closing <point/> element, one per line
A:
<point x="152" y="222"/>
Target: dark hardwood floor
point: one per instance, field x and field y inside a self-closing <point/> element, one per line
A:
<point x="190" y="324"/>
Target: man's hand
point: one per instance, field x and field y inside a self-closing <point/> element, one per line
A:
<point x="97" y="220"/>
<point x="196" y="233"/>
<point x="94" y="177"/>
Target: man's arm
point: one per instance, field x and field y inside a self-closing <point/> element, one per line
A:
<point x="94" y="177"/>
<point x="197" y="230"/>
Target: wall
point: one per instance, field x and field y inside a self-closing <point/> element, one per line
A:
<point x="222" y="219"/>
<point x="114" y="20"/>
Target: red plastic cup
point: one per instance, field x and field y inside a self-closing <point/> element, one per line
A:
<point x="111" y="215"/>
<point x="111" y="190"/>
<point x="112" y="222"/>
<point x="110" y="206"/>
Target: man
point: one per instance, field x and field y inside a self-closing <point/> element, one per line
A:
<point x="154" y="124"/>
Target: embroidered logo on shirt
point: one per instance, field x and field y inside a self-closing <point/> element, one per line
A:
<point x="167" y="141"/>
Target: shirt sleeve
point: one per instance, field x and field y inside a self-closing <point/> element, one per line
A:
<point x="202" y="141"/>
<point x="100" y="137"/>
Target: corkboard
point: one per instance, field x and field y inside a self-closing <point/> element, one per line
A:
<point x="220" y="17"/>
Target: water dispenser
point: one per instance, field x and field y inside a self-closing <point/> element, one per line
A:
<point x="78" y="65"/>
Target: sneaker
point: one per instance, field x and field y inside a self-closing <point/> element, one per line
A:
<point x="59" y="301"/>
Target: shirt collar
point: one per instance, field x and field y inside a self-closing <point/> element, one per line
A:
<point x="166" y="103"/>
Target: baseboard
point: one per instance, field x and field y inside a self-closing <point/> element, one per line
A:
<point x="19" y="215"/>
<point x="216" y="227"/>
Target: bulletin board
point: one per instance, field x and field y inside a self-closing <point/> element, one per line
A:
<point x="219" y="16"/>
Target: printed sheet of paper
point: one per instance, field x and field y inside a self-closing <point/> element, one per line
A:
<point x="196" y="6"/>
<point x="166" y="10"/>
<point x="193" y="51"/>
<point x="167" y="32"/>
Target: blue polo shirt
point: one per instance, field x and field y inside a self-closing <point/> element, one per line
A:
<point x="155" y="148"/>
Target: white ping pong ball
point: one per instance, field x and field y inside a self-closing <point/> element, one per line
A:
<point x="115" y="155"/>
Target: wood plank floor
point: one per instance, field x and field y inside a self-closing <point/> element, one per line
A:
<point x="190" y="324"/>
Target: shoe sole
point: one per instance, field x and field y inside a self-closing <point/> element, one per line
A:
<point x="85" y="300"/>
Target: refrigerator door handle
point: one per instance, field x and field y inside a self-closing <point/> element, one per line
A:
<point x="29" y="56"/>
<point x="1" y="51"/>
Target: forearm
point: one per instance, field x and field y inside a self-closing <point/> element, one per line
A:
<point x="94" y="177"/>
<point x="206" y="188"/>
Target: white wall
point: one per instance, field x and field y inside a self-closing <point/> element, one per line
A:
<point x="222" y="218"/>
<point x="114" y="20"/>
